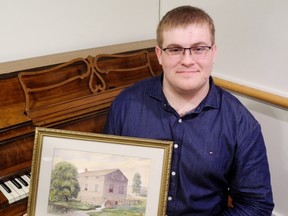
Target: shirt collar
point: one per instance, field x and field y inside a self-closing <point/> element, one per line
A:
<point x="212" y="100"/>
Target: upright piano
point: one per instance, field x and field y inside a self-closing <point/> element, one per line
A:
<point x="72" y="95"/>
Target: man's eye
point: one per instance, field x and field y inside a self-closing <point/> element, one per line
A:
<point x="175" y="49"/>
<point x="199" y="48"/>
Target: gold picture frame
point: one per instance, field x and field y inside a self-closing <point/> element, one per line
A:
<point x="81" y="171"/>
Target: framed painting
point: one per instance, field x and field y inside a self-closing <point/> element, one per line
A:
<point x="80" y="173"/>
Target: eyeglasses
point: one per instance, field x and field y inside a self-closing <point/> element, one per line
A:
<point x="197" y="52"/>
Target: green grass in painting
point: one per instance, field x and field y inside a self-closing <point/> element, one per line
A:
<point x="135" y="210"/>
<point x="132" y="210"/>
<point x="64" y="206"/>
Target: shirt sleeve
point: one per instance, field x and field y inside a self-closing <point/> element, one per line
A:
<point x="250" y="187"/>
<point x="111" y="121"/>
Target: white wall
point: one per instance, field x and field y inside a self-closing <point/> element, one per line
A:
<point x="33" y="28"/>
<point x="251" y="37"/>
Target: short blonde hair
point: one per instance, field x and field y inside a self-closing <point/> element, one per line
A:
<point x="182" y="17"/>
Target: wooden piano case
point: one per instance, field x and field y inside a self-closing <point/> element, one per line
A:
<point x="73" y="95"/>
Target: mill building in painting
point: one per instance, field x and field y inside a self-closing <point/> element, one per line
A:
<point x="100" y="187"/>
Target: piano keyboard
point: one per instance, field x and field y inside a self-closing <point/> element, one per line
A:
<point x="16" y="188"/>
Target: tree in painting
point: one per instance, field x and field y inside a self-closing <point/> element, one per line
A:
<point x="136" y="186"/>
<point x="64" y="184"/>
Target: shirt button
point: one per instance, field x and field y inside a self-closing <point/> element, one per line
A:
<point x="180" y="120"/>
<point x="175" y="146"/>
<point x="173" y="173"/>
<point x="169" y="198"/>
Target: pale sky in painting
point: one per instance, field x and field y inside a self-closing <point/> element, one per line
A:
<point x="96" y="161"/>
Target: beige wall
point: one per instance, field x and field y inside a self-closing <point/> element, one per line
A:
<point x="33" y="28"/>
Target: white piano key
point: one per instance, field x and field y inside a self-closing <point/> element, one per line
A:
<point x="14" y="192"/>
<point x="27" y="179"/>
<point x="9" y="196"/>
<point x="20" y="191"/>
<point x="24" y="188"/>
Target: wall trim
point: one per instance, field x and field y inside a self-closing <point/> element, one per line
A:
<point x="273" y="99"/>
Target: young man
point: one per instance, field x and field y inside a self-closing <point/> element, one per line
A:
<point x="219" y="149"/>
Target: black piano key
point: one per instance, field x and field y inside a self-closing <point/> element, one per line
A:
<point x="5" y="187"/>
<point x="22" y="181"/>
<point x="16" y="183"/>
<point x="28" y="175"/>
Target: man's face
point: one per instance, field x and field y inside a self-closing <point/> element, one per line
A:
<point x="187" y="73"/>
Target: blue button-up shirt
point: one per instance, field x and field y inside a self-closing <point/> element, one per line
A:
<point x="218" y="149"/>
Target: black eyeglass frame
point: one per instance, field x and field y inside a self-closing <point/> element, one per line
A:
<point x="188" y="48"/>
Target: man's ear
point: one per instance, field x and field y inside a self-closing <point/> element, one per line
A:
<point x="158" y="52"/>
